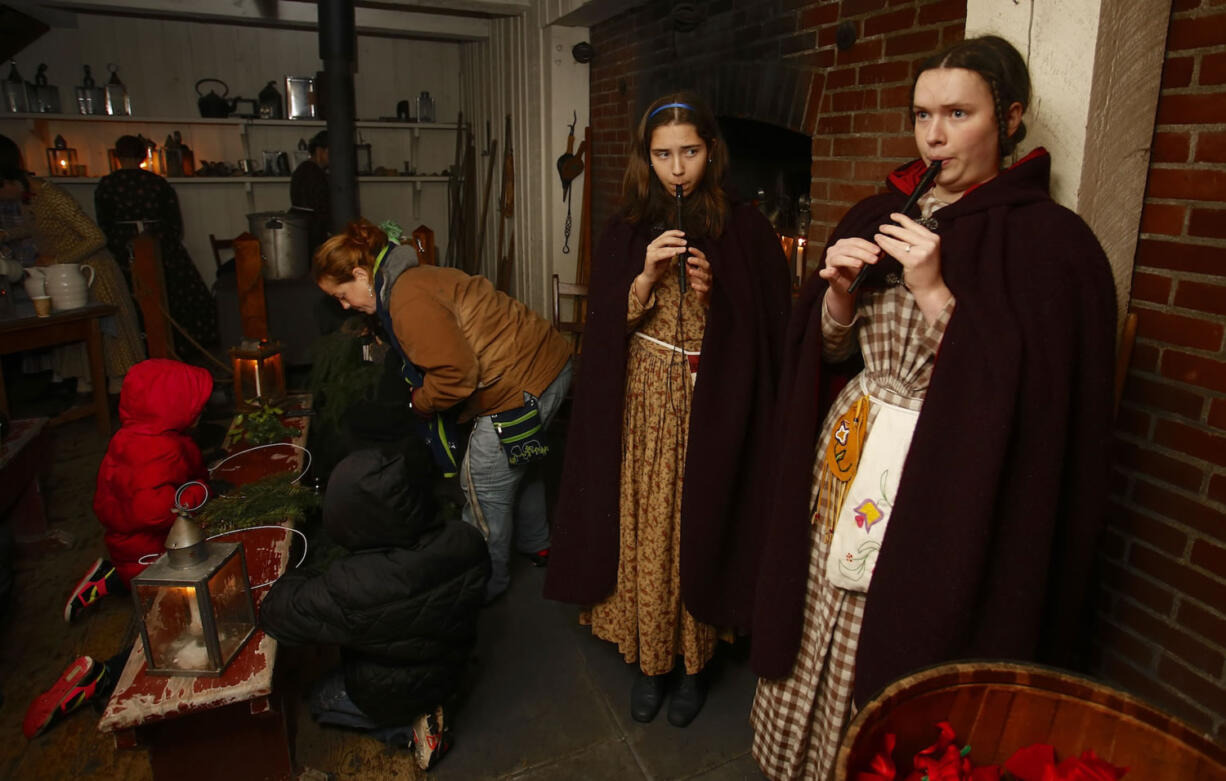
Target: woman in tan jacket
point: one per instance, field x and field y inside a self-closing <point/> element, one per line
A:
<point x="470" y="353"/>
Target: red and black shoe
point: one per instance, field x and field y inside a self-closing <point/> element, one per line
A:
<point x="538" y="559"/>
<point x="101" y="579"/>
<point x="431" y="739"/>
<point x="77" y="685"/>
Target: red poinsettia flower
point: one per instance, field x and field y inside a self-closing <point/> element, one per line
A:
<point x="881" y="768"/>
<point x="1030" y="763"/>
<point x="944" y="761"/>
<point x="1087" y="767"/>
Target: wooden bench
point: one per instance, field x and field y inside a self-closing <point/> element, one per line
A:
<point x="197" y="727"/>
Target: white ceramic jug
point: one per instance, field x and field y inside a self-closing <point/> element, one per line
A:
<point x="67" y="286"/>
<point x="36" y="282"/>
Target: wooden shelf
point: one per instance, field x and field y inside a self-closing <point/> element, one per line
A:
<point x="177" y="180"/>
<point x="361" y="123"/>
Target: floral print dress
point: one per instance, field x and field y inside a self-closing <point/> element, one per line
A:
<point x="645" y="616"/>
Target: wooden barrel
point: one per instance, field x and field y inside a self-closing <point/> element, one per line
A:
<point x="997" y="708"/>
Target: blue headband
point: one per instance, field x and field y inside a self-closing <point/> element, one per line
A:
<point x="686" y="106"/>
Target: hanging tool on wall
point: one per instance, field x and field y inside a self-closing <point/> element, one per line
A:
<point x="570" y="165"/>
<point x="492" y="152"/>
<point x="455" y="197"/>
<point x="506" y="208"/>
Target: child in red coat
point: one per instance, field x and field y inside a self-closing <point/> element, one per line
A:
<point x="146" y="462"/>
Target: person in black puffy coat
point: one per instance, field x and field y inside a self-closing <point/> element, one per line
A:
<point x="402" y="605"/>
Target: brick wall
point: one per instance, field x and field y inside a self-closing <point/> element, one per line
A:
<point x="1163" y="628"/>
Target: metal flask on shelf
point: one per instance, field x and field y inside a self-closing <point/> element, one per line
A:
<point x="91" y="99"/>
<point x="284" y="243"/>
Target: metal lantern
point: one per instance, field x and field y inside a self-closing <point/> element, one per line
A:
<point x="91" y="99"/>
<point x="16" y="96"/>
<point x="46" y="97"/>
<point x="259" y="374"/>
<point x="194" y="603"/>
<point x="62" y="159"/>
<point x="362" y="158"/>
<point x="117" y="101"/>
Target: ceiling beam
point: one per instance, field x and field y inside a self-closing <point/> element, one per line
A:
<point x="291" y="13"/>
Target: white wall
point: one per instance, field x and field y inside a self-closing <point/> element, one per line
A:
<point x="1095" y="69"/>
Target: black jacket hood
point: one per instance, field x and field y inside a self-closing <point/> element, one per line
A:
<point x="376" y="500"/>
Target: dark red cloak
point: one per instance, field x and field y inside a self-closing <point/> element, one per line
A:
<point x="729" y="433"/>
<point x="991" y="543"/>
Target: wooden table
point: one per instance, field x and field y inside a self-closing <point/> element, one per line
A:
<point x="233" y="725"/>
<point x="73" y="325"/>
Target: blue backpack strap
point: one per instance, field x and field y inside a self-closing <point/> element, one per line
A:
<point x="440" y="431"/>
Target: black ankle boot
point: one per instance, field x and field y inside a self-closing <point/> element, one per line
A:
<point x="687" y="701"/>
<point x="646" y="697"/>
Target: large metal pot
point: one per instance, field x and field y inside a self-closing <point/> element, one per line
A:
<point x="284" y="244"/>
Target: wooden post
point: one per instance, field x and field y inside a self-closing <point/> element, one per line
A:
<point x="150" y="294"/>
<point x="249" y="280"/>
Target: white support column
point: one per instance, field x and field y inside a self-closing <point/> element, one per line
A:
<point x="1095" y="68"/>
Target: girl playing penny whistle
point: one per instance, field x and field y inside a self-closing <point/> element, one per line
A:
<point x="655" y="532"/>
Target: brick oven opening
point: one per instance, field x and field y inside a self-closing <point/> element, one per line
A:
<point x="770" y="166"/>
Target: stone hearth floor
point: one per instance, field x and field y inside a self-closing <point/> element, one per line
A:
<point x="548" y="700"/>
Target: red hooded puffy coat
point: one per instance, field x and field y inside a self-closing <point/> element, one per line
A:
<point x="148" y="458"/>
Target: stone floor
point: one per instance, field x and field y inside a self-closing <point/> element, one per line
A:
<point x="548" y="701"/>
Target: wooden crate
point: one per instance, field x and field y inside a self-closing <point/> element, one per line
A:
<point x="998" y="708"/>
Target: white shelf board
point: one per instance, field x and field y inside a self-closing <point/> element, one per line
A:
<point x="361" y="123"/>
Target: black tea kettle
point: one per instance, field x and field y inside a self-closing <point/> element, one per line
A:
<point x="212" y="105"/>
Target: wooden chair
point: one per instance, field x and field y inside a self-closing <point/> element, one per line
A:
<point x="572" y="327"/>
<point x="218" y="246"/>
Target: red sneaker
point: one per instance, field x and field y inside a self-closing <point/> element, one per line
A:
<point x="430" y="739"/>
<point x="101" y="579"/>
<point x="76" y="686"/>
<point x="538" y="559"/>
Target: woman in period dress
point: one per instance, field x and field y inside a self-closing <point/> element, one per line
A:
<point x="655" y="527"/>
<point x="989" y="368"/>
<point x="62" y="233"/>
<point x="131" y="194"/>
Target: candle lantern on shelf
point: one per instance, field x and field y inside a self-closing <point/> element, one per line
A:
<point x="117" y="101"/>
<point x="46" y="97"/>
<point x="16" y="96"/>
<point x="194" y="603"/>
<point x="91" y="99"/>
<point x="62" y="159"/>
<point x="259" y="373"/>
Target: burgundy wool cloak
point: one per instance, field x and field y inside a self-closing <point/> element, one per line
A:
<point x="721" y="504"/>
<point x="990" y="547"/>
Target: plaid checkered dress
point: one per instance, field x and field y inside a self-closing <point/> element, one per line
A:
<point x="798" y="720"/>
